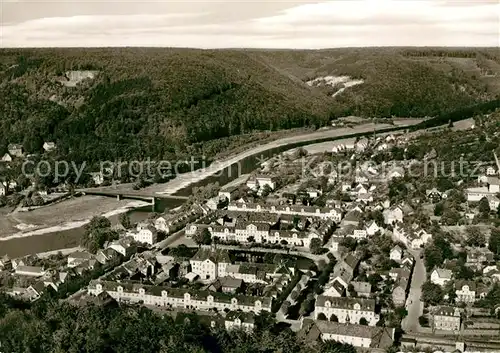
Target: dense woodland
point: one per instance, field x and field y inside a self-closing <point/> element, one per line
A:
<point x="57" y="327"/>
<point x="167" y="103"/>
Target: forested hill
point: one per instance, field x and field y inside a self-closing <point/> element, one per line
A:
<point x="157" y="103"/>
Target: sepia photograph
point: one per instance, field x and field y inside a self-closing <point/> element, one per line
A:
<point x="249" y="176"/>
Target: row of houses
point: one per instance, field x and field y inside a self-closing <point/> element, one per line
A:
<point x="245" y="232"/>
<point x="309" y="211"/>
<point x="412" y="236"/>
<point x="179" y="298"/>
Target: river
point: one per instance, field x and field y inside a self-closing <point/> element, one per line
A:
<point x="70" y="238"/>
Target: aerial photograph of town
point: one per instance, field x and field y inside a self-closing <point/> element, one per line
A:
<point x="250" y="176"/>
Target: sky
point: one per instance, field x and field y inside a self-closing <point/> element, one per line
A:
<point x="249" y="24"/>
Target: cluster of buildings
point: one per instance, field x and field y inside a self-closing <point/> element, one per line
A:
<point x="209" y="280"/>
<point x="31" y="280"/>
<point x="278" y="229"/>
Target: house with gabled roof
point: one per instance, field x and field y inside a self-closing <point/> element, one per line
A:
<point x="371" y="228"/>
<point x="16" y="150"/>
<point x="440" y="276"/>
<point x="49" y="146"/>
<point x="393" y="215"/>
<point x="210" y="263"/>
<point x="6" y="158"/>
<point x="396" y="253"/>
<point x="240" y="320"/>
<point x="367" y="337"/>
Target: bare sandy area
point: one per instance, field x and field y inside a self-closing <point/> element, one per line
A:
<point x="65" y="215"/>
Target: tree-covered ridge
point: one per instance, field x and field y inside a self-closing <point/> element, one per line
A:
<point x="158" y="102"/>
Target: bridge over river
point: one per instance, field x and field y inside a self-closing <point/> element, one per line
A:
<point x="124" y="192"/>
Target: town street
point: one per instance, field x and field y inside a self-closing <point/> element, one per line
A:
<point x="414" y="305"/>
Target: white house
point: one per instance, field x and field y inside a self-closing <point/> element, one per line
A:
<point x="260" y="181"/>
<point x="15" y="150"/>
<point x="308" y="211"/>
<point x="346" y="309"/>
<point x="161" y="224"/>
<point x="240" y="321"/>
<point x="49" y="146"/>
<point x="6" y="158"/>
<point x="490" y="171"/>
<point x="333" y="244"/>
<point x="413" y="237"/>
<point x="465" y="291"/>
<point x="441" y="276"/>
<point x="358" y="234"/>
<point x="393" y="215"/>
<point x="446" y="318"/>
<point x="179" y="297"/>
<point x="396" y="253"/>
<point x="78" y="257"/>
<point x="372" y="228"/>
<point x="395" y="173"/>
<point x="210" y="263"/>
<point x="31" y="271"/>
<point x="148" y="235"/>
<point x="493" y="201"/>
<point x="97" y="177"/>
<point x="3" y="190"/>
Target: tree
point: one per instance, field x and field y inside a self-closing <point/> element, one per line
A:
<point x="266" y="190"/>
<point x="475" y="237"/>
<point x="203" y="238"/>
<point x="423" y="321"/>
<point x="494" y="241"/>
<point x="432" y="294"/>
<point x="322" y="316"/>
<point x="349" y="243"/>
<point x="439" y="209"/>
<point x="443" y="244"/>
<point x="450" y="217"/>
<point x="278" y="259"/>
<point x="433" y="257"/>
<point x="37" y="200"/>
<point x="374" y="279"/>
<point x="125" y="220"/>
<point x="484" y="207"/>
<point x="315" y="246"/>
<point x="306" y="307"/>
<point x="97" y="233"/>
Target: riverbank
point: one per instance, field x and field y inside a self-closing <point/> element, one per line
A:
<point x="66" y="215"/>
<point x="184" y="180"/>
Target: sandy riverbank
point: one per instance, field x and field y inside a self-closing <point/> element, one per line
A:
<point x="66" y="215"/>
